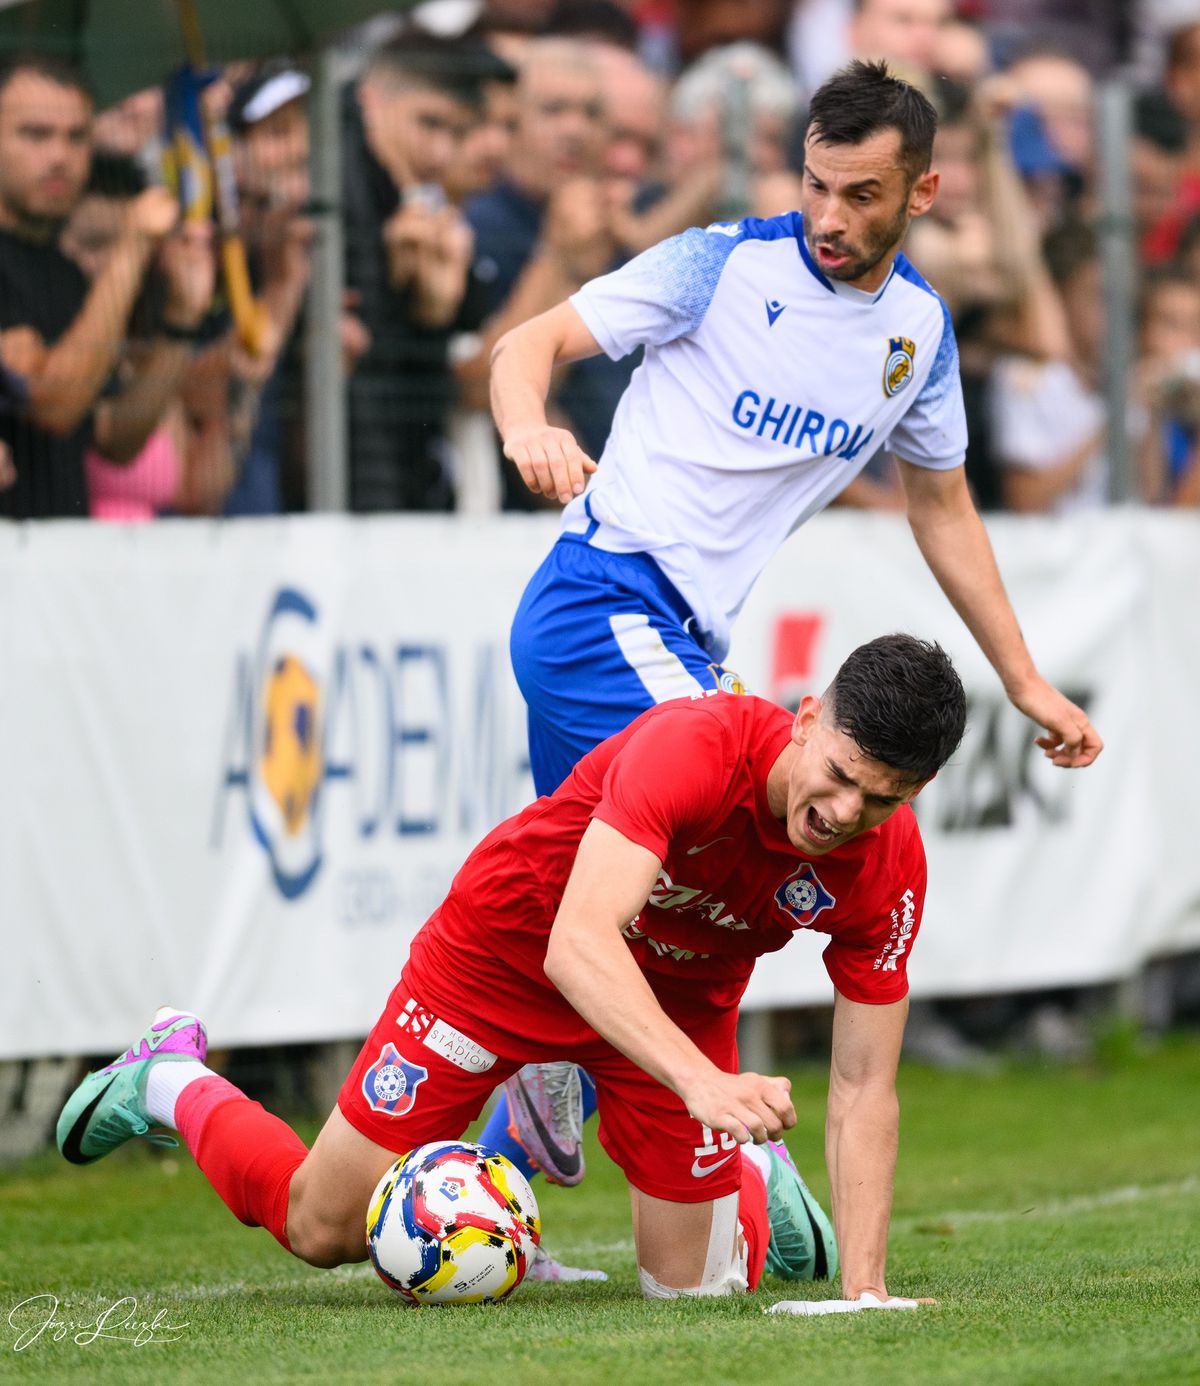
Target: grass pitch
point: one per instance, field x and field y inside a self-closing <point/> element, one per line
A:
<point x="1054" y="1211"/>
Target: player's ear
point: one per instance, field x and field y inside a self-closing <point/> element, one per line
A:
<point x="920" y="785"/>
<point x="807" y="716"/>
<point x="922" y="193"/>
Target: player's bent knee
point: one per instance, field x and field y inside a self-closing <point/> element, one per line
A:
<point x="724" y="1269"/>
<point x="325" y="1244"/>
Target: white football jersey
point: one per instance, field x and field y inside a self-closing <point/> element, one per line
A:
<point x="765" y="388"/>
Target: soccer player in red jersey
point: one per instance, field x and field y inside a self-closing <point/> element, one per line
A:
<point x="616" y="923"/>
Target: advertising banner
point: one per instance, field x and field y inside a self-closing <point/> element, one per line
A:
<point x="244" y="760"/>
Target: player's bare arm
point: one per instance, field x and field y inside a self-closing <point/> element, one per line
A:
<point x="861" y="1136"/>
<point x="549" y="459"/>
<point x="955" y="544"/>
<point x="588" y="961"/>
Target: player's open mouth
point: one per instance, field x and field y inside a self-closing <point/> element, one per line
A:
<point x="818" y="830"/>
<point x="832" y="259"/>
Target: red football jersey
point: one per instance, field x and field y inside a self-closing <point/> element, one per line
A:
<point x="686" y="780"/>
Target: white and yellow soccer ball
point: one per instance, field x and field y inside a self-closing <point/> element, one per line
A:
<point x="453" y="1223"/>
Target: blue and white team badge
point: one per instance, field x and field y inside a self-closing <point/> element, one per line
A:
<point x="726" y="680"/>
<point x="390" y="1084"/>
<point x="898" y="368"/>
<point x="803" y="896"/>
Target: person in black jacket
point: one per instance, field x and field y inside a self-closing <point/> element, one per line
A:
<point x="408" y="253"/>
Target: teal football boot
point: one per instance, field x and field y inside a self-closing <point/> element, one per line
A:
<point x="802" y="1245"/>
<point x="108" y="1107"/>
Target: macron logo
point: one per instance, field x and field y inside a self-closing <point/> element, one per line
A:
<point x="774" y="308"/>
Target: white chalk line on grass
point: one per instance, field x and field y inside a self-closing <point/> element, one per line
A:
<point x="1054" y="1208"/>
<point x="579" y="1251"/>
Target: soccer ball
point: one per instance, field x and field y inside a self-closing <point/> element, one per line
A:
<point x="452" y="1223"/>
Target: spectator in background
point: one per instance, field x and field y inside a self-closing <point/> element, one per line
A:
<point x="1048" y="417"/>
<point x="1059" y="92"/>
<point x="269" y="122"/>
<point x="179" y="467"/>
<point x="1183" y="87"/>
<point x="702" y="25"/>
<point x="134" y="127"/>
<point x="408" y="253"/>
<point x="907" y="33"/>
<point x="547" y="228"/>
<point x="818" y="40"/>
<point x="61" y="335"/>
<point x="1159" y="140"/>
<point x="598" y="22"/>
<point x="714" y="167"/>
<point x="960" y="52"/>
<point x="1167" y="383"/>
<point x="635" y="116"/>
<point x="483" y="152"/>
<point x="700" y="104"/>
<point x="980" y="246"/>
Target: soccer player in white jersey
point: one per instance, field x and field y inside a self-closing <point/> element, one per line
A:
<point x="780" y="355"/>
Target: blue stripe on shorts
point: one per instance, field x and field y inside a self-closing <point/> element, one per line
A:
<point x="597" y="639"/>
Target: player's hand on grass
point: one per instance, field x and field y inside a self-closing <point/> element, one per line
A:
<point x="550" y="461"/>
<point x="749" y="1106"/>
<point x="1070" y="740"/>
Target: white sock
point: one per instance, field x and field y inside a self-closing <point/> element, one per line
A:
<point x="165" y="1081"/>
<point x="758" y="1157"/>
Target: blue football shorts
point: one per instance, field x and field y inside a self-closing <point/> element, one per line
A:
<point x="597" y="639"/>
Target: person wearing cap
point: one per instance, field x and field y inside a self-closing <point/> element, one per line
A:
<point x="269" y="121"/>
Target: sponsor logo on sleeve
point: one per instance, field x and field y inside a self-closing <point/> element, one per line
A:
<point x="903" y="925"/>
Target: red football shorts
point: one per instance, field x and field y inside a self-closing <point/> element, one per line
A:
<point x="423" y="1076"/>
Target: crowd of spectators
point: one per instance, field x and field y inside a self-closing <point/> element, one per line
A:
<point x="495" y="155"/>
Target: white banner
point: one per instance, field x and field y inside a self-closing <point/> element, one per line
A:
<point x="244" y="760"/>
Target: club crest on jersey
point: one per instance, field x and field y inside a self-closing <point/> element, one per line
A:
<point x="390" y="1084"/>
<point x="803" y="897"/>
<point x="726" y="680"/>
<point x="898" y="368"/>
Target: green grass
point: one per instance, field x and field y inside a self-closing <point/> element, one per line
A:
<point x="1054" y="1212"/>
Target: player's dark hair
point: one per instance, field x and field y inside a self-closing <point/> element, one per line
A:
<point x="47" y="65"/>
<point x="865" y="98"/>
<point x="901" y="700"/>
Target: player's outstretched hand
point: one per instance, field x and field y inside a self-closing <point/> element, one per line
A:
<point x="550" y="461"/>
<point x="749" y="1106"/>
<point x="1071" y="740"/>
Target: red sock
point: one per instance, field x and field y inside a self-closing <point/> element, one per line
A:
<point x="752" y="1214"/>
<point x="246" y="1154"/>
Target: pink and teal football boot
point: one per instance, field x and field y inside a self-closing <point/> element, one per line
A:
<point x="108" y="1107"/>
<point x="802" y="1245"/>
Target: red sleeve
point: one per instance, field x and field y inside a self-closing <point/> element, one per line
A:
<point x="870" y="964"/>
<point x="669" y="777"/>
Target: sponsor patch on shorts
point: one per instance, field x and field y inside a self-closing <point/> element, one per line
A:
<point x="452" y="1044"/>
<point x="440" y="1036"/>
